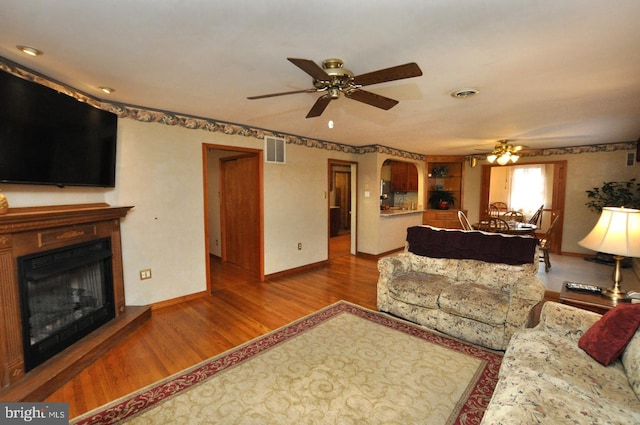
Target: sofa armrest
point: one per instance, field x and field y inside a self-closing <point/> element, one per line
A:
<point x="389" y="267"/>
<point x="525" y="294"/>
<point x="394" y="265"/>
<point x="565" y="320"/>
<point x="528" y="288"/>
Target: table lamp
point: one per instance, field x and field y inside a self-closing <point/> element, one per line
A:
<point x="617" y="232"/>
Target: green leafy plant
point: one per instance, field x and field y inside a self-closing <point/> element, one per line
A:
<point x="439" y="196"/>
<point x="614" y="194"/>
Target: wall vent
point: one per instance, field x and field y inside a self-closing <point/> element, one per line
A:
<point x="274" y="148"/>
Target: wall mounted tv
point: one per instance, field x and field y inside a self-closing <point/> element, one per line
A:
<point x="50" y="138"/>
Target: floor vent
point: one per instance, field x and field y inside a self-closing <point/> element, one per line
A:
<point x="274" y="148"/>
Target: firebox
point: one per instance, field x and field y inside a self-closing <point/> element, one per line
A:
<point x="65" y="294"/>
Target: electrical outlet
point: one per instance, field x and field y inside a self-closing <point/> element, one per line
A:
<point x="216" y="242"/>
<point x="299" y="246"/>
<point x="145" y="274"/>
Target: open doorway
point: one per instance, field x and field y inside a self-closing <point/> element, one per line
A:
<point x="500" y="184"/>
<point x="342" y="208"/>
<point x="233" y="195"/>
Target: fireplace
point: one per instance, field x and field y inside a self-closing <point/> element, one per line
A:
<point x="65" y="294"/>
<point x="61" y="285"/>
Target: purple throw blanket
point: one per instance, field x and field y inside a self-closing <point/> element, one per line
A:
<point x="471" y="245"/>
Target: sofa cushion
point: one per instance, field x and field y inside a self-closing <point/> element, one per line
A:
<point x="534" y="398"/>
<point x="417" y="288"/>
<point x="545" y="378"/>
<point x="442" y="266"/>
<point x="474" y="301"/>
<point x="607" y="338"/>
<point x="492" y="275"/>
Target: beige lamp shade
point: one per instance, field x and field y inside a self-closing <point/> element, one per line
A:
<point x="617" y="232"/>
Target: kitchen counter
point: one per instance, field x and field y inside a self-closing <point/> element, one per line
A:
<point x="397" y="212"/>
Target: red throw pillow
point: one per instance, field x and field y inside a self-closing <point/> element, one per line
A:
<point x="607" y="338"/>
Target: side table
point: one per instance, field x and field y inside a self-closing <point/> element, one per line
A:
<point x="587" y="301"/>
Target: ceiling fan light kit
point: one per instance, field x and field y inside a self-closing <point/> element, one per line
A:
<point x="503" y="152"/>
<point x="334" y="79"/>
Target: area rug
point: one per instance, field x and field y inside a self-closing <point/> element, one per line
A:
<point x="341" y="365"/>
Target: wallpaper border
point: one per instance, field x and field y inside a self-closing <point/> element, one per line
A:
<point x="144" y="114"/>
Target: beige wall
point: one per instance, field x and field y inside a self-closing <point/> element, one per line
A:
<point x="160" y="173"/>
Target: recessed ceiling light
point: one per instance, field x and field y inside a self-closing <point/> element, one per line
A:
<point x="31" y="51"/>
<point x="464" y="93"/>
<point x="107" y="90"/>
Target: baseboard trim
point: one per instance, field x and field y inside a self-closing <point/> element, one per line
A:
<point x="296" y="270"/>
<point x="178" y="300"/>
<point x="378" y="256"/>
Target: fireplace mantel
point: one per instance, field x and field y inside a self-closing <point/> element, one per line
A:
<point x="36" y="229"/>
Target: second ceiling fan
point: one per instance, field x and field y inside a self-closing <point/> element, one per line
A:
<point x="333" y="79"/>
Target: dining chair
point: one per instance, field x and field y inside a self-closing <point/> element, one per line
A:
<point x="501" y="206"/>
<point x="493" y="224"/>
<point x="493" y="211"/>
<point x="545" y="244"/>
<point x="513" y="216"/>
<point x="536" y="218"/>
<point x="464" y="221"/>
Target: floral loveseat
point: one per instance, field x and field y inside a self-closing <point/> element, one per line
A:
<point x="476" y="286"/>
<point x="547" y="378"/>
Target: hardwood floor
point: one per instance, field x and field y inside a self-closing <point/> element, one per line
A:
<point x="240" y="309"/>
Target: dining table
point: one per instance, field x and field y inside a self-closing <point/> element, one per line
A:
<point x="515" y="228"/>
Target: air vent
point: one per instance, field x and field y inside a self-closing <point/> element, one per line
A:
<point x="274" y="148"/>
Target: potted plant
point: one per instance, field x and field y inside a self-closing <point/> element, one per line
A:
<point x="441" y="199"/>
<point x="614" y="194"/>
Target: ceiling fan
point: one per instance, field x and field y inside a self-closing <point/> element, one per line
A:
<point x="333" y="79"/>
<point x="503" y="152"/>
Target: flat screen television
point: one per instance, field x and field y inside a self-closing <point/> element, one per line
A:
<point x="50" y="138"/>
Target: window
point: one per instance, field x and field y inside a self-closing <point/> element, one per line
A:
<point x="527" y="191"/>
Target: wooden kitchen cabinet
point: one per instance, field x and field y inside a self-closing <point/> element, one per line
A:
<point x="404" y="177"/>
<point x="446" y="219"/>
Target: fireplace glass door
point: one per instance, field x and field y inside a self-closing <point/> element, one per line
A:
<point x="65" y="294"/>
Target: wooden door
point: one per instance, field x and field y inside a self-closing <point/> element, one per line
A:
<point x="343" y="198"/>
<point x="240" y="203"/>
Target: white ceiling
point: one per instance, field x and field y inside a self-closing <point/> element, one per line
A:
<point x="550" y="73"/>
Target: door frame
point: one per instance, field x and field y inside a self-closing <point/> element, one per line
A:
<point x="354" y="201"/>
<point x="206" y="147"/>
<point x="557" y="197"/>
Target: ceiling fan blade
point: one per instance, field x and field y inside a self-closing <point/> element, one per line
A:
<point x="311" y="68"/>
<point x="318" y="108"/>
<point x="372" y="99"/>
<point x="408" y="70"/>
<point x="262" y="96"/>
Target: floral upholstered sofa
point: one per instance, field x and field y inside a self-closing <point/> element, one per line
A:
<point x="476" y="286"/>
<point x="548" y="374"/>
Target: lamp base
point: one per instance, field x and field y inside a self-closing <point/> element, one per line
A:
<point x="615" y="294"/>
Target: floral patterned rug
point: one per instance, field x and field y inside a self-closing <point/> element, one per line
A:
<point x="341" y="365"/>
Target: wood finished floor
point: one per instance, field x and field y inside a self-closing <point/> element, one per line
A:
<point x="240" y="309"/>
